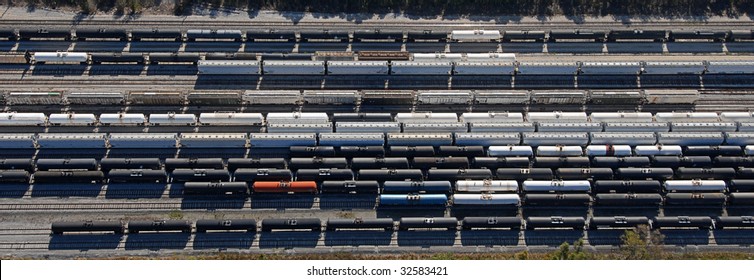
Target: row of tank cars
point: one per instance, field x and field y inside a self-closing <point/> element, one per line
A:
<point x="354" y="97"/>
<point x="426" y="181"/>
<point x="408" y="223"/>
<point x="371" y="34"/>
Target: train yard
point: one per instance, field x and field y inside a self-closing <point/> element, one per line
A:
<point x="131" y="141"/>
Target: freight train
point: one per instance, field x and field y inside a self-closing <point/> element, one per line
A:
<point x="349" y="97"/>
<point x="500" y="64"/>
<point x="365" y="35"/>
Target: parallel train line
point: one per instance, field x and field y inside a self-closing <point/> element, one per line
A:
<point x="290" y="240"/>
<point x="407" y="24"/>
<point x="112" y="206"/>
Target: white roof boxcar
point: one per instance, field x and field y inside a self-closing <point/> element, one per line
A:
<point x="555" y="138"/>
<point x="285" y="140"/>
<point x="730" y="67"/>
<point x="421" y="68"/>
<point x="568" y="126"/>
<point x="143" y="140"/>
<point x="231" y="118"/>
<point x="703" y="127"/>
<point x="484" y="68"/>
<point x="357" y="68"/>
<point x="487" y="138"/>
<point x="17" y="141"/>
<point x="746" y="127"/>
<point x="366" y="127"/>
<point x="610" y="68"/>
<point x="691" y="138"/>
<point x="637" y="127"/>
<point x="420" y="139"/>
<point x="615" y="138"/>
<point x="435" y="127"/>
<point x="213" y="140"/>
<point x="674" y="67"/>
<point x="293" y="67"/>
<point x="72" y="140"/>
<point x="739" y="138"/>
<point x="299" y="127"/>
<point x="351" y="139"/>
<point x="502" y="127"/>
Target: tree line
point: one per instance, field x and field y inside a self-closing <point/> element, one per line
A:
<point x="574" y="8"/>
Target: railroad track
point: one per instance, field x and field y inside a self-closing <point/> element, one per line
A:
<point x="103" y="83"/>
<point x="369" y="241"/>
<point x="190" y="82"/>
<point x="176" y="22"/>
<point x="24" y="231"/>
<point x="708" y="103"/>
<point x="94" y="206"/>
<point x="188" y="204"/>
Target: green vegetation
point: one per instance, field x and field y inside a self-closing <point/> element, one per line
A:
<point x="523" y="255"/>
<point x="346" y="215"/>
<point x="175" y="214"/>
<point x="571" y="8"/>
<point x="564" y="252"/>
<point x="641" y="244"/>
